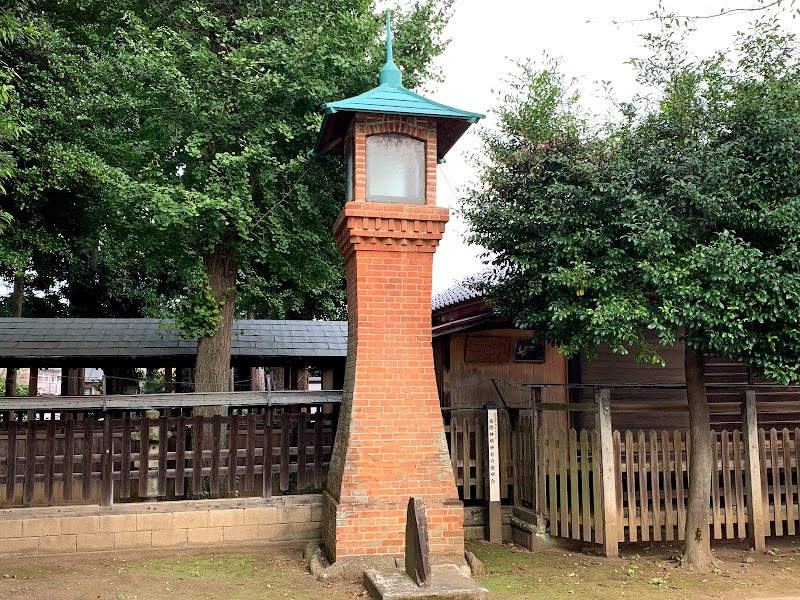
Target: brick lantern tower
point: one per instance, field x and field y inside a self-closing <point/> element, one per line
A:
<point x="390" y="443"/>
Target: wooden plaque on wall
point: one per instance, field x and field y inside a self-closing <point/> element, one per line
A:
<point x="487" y="349"/>
<point x="532" y="351"/>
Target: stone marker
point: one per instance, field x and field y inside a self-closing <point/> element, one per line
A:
<point x="418" y="565"/>
<point x="419" y="581"/>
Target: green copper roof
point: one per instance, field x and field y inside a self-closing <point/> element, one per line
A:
<point x="390" y="97"/>
<point x="398" y="100"/>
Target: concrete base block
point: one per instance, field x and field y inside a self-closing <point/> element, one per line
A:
<point x="448" y="582"/>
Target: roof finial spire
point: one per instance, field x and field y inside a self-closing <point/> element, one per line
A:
<point x="390" y="74"/>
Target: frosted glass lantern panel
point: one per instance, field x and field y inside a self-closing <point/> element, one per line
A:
<point x="348" y="167"/>
<point x="395" y="169"/>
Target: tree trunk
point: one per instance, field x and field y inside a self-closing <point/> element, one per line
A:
<point x="697" y="551"/>
<point x="214" y="352"/>
<point x="121" y="381"/>
<point x="213" y="364"/>
<point x="257" y="381"/>
<point x="16" y="312"/>
<point x="276" y="378"/>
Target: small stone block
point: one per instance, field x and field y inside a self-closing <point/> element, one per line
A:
<point x="279" y="531"/>
<point x="115" y="523"/>
<point x="57" y="544"/>
<point x="205" y="536"/>
<point x="10" y="529"/>
<point x="239" y="533"/>
<point x="170" y="538"/>
<point x="448" y="582"/>
<point x="132" y="540"/>
<point x="417" y="562"/>
<point x="228" y="517"/>
<point x="41" y="527"/>
<point x="154" y="521"/>
<point x="266" y="515"/>
<point x="191" y="519"/>
<point x="29" y="545"/>
<point x="80" y="525"/>
<point x="95" y="542"/>
<point x="294" y="514"/>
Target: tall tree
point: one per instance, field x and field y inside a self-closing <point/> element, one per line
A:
<point x="680" y="220"/>
<point x="79" y="239"/>
<point x="182" y="139"/>
<point x="237" y="89"/>
<point x="14" y="25"/>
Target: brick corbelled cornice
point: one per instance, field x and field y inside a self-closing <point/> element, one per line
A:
<point x="373" y="226"/>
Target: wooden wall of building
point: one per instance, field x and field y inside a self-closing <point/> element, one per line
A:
<point x="469" y="384"/>
<point x="610" y="368"/>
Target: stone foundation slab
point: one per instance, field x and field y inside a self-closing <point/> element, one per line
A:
<point x="448" y="582"/>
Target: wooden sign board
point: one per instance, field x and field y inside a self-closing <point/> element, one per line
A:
<point x="528" y="350"/>
<point x="479" y="349"/>
<point x="494" y="524"/>
<point x="494" y="455"/>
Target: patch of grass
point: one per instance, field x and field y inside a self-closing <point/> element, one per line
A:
<point x="634" y="566"/>
<point x="553" y="573"/>
<point x="213" y="567"/>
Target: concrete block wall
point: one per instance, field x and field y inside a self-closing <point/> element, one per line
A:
<point x="160" y="525"/>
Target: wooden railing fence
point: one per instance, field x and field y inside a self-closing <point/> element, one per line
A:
<point x="264" y="451"/>
<point x="606" y="486"/>
<point x="595" y="485"/>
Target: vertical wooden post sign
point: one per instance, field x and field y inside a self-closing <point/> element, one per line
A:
<point x="494" y="521"/>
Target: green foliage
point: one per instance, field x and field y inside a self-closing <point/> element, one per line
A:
<point x="634" y="566"/>
<point x="14" y="25"/>
<point x="199" y="315"/>
<point x="682" y="218"/>
<point x="22" y="389"/>
<point x="153" y="382"/>
<point x="159" y="132"/>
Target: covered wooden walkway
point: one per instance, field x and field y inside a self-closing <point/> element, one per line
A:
<point x="118" y="345"/>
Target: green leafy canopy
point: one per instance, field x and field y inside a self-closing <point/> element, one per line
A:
<point x="161" y="131"/>
<point x="680" y="219"/>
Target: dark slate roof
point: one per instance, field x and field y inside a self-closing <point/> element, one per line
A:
<point x="129" y="339"/>
<point x="464" y="290"/>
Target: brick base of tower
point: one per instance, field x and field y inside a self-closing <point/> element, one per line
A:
<point x="378" y="528"/>
<point x="390" y="444"/>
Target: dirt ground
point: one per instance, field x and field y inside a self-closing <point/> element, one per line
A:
<point x="276" y="571"/>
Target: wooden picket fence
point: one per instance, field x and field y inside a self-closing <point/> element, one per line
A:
<point x="653" y="482"/>
<point x="466" y="437"/>
<point x="637" y="490"/>
<point x="780" y="482"/>
<point x="569" y="483"/>
<point x="113" y="459"/>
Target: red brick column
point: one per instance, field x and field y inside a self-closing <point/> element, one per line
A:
<point x="390" y="443"/>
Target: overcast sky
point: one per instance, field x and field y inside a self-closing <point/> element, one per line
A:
<point x="487" y="35"/>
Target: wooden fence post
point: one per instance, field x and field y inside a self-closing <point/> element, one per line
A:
<point x="106" y="475"/>
<point x="536" y="399"/>
<point x="755" y="506"/>
<point x="603" y="425"/>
